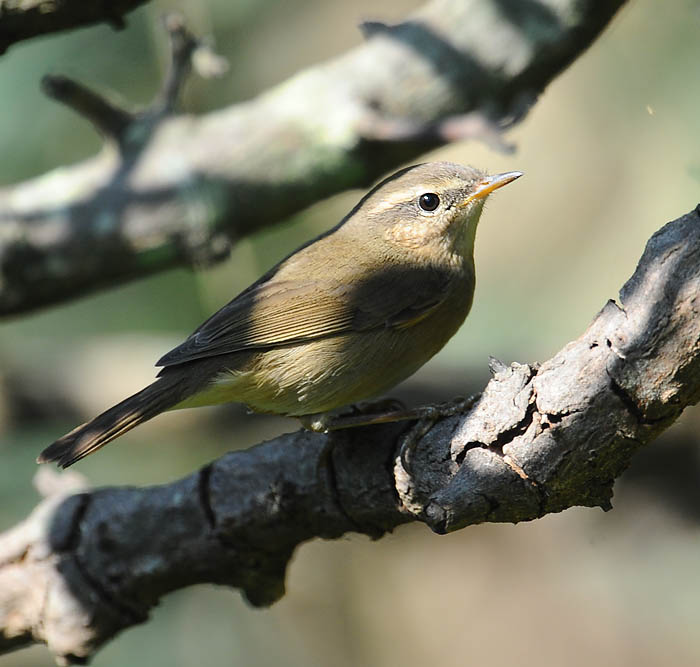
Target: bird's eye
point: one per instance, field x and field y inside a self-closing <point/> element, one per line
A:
<point x="429" y="201"/>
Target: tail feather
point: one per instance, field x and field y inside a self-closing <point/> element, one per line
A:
<point x="83" y="440"/>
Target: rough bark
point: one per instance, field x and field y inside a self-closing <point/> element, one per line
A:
<point x="542" y="438"/>
<point x="171" y="190"/>
<point x="24" y="19"/>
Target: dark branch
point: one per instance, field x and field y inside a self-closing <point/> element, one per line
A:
<point x="183" y="187"/>
<point x="109" y="120"/>
<point x="131" y="132"/>
<point x="182" y="46"/>
<point x="539" y="440"/>
<point x="31" y="18"/>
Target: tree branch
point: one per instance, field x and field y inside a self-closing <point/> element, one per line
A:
<point x="25" y="19"/>
<point x="108" y="119"/>
<point x="543" y="438"/>
<point x="182" y="188"/>
<point x="128" y="131"/>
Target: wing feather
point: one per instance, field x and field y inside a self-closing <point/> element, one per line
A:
<point x="275" y="313"/>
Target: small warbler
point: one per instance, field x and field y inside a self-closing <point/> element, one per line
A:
<point x="343" y="318"/>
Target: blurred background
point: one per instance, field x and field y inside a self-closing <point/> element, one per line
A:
<point x="610" y="153"/>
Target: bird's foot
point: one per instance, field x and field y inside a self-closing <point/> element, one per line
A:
<point x="386" y="411"/>
<point x="427" y="416"/>
<point x="361" y="414"/>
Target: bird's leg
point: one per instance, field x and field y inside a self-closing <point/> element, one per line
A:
<point x="386" y="411"/>
<point x="361" y="414"/>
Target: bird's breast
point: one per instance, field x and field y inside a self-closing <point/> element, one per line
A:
<point x="326" y="373"/>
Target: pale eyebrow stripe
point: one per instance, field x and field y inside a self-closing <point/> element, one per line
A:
<point x="405" y="196"/>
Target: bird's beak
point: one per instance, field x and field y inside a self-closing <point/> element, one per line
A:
<point x="487" y="185"/>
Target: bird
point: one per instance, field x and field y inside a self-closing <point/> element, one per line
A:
<point x="343" y="318"/>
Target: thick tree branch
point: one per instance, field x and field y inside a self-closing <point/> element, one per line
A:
<point x="182" y="188"/>
<point x="24" y="19"/>
<point x="541" y="439"/>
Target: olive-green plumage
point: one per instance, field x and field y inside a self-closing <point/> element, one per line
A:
<point x="343" y="318"/>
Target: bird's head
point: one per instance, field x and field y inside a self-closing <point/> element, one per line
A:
<point x="431" y="209"/>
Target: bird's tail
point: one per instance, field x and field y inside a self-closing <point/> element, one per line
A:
<point x="163" y="394"/>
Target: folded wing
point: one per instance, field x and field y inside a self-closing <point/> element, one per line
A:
<point x="277" y="313"/>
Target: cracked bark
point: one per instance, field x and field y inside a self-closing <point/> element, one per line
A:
<point x="177" y="190"/>
<point x="540" y="439"/>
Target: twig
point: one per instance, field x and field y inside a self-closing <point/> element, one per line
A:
<point x="111" y="121"/>
<point x="131" y="132"/>
<point x="182" y="47"/>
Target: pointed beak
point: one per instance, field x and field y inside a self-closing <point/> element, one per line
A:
<point x="487" y="185"/>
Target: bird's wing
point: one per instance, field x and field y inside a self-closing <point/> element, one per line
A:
<point x="275" y="313"/>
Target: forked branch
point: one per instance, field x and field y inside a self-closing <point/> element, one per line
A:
<point x="181" y="189"/>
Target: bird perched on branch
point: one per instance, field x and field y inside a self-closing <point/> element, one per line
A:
<point x="342" y="319"/>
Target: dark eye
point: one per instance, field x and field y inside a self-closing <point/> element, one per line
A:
<point x="429" y="201"/>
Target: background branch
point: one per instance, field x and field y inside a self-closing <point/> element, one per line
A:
<point x="30" y="18"/>
<point x="82" y="567"/>
<point x="185" y="186"/>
